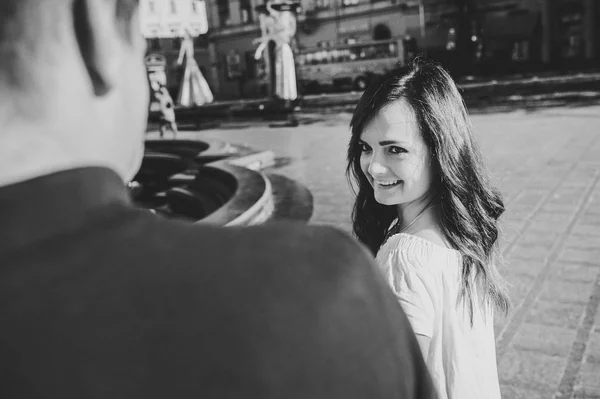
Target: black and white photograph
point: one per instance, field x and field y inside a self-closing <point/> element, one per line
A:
<point x="294" y="199"/>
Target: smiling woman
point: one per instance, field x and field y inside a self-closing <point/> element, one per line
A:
<point x="395" y="159"/>
<point x="426" y="208"/>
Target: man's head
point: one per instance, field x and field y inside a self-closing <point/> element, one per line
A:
<point x="72" y="76"/>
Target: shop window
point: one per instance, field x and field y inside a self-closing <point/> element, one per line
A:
<point x="251" y="65"/>
<point x="246" y="11"/>
<point x="572" y="46"/>
<point x="233" y="67"/>
<point x="349" y="3"/>
<point x="382" y="32"/>
<point x="322" y="4"/>
<point x="154" y="44"/>
<point x="224" y="12"/>
<point x="520" y="51"/>
<point x="201" y="41"/>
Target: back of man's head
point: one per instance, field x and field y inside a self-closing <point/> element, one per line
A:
<point x="72" y="72"/>
<point x="30" y="33"/>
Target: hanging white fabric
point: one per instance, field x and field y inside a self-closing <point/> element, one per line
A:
<point x="194" y="89"/>
<point x="280" y="27"/>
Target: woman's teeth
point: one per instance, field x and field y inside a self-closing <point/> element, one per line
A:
<point x="388" y="183"/>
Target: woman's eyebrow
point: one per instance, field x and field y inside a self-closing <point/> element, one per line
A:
<point x="390" y="142"/>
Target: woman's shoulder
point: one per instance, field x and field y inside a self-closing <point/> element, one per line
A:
<point x="416" y="250"/>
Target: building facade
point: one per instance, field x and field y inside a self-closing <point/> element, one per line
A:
<point x="503" y="34"/>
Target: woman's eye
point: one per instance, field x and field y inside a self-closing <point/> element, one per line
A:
<point x="397" y="150"/>
<point x="364" y="147"/>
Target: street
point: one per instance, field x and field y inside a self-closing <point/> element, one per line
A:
<point x="547" y="164"/>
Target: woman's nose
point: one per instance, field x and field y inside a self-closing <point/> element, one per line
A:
<point x="376" y="167"/>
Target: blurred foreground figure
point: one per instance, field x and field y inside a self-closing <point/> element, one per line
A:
<point x="99" y="299"/>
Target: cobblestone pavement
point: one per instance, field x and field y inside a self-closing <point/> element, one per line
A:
<point x="547" y="163"/>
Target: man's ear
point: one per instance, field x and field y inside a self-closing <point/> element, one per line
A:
<point x="95" y="31"/>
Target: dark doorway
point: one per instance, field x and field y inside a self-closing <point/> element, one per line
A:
<point x="381" y="32"/>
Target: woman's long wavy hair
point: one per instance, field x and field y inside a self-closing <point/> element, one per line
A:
<point x="470" y="204"/>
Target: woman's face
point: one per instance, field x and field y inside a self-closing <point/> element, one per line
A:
<point x="394" y="157"/>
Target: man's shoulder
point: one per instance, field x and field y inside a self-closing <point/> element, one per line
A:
<point x="297" y="235"/>
<point x="291" y="237"/>
<point x="272" y="243"/>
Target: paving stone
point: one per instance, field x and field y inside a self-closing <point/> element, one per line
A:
<point x="499" y="323"/>
<point x="553" y="341"/>
<point x="592" y="351"/>
<point x="588" y="381"/>
<point x="590" y="219"/>
<point x="559" y="206"/>
<point x="581" y="229"/>
<point x="512" y="227"/>
<point x="529" y="199"/>
<point x="532" y="368"/>
<point x="506" y="239"/>
<point x="550" y="222"/>
<point x="565" y="315"/>
<point x="546" y="239"/>
<point x="585" y="395"/>
<point x="585" y="255"/>
<point x="518" y="215"/>
<point x="588" y="170"/>
<point x="564" y="291"/>
<point x="581" y="182"/>
<point x="527" y="266"/>
<point x="566" y="195"/>
<point x="530" y="251"/>
<point x="594" y="207"/>
<point x="569" y="194"/>
<point x="513" y="392"/>
<point x="519" y="285"/>
<point x="583" y="241"/>
<point x="554" y="216"/>
<point x="543" y="226"/>
<point x="576" y="272"/>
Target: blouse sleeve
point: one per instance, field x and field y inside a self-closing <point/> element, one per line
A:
<point x="414" y="287"/>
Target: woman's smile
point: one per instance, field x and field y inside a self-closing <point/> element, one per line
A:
<point x="385" y="184"/>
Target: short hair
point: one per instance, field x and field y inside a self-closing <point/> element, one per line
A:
<point x="26" y="26"/>
<point x="470" y="204"/>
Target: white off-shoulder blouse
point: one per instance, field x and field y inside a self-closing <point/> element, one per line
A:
<point x="426" y="279"/>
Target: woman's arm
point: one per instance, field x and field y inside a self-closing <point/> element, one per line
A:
<point x="415" y="287"/>
<point x="424" y="342"/>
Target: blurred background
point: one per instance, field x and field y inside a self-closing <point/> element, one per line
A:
<point x="340" y="44"/>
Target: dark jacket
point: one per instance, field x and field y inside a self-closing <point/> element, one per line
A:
<point x="99" y="299"/>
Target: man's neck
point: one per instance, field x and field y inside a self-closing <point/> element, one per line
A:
<point x="26" y="154"/>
